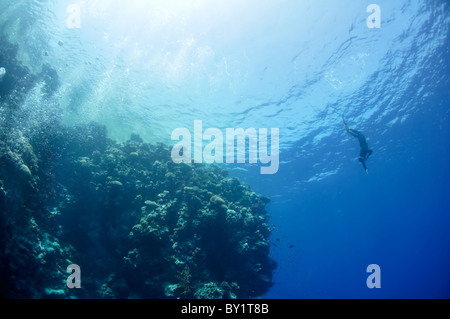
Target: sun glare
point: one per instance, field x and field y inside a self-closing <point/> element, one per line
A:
<point x="173" y="6"/>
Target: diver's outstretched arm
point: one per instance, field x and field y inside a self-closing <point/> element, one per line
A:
<point x="345" y="125"/>
<point x="353" y="132"/>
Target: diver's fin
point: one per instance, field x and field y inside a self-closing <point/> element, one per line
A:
<point x="367" y="171"/>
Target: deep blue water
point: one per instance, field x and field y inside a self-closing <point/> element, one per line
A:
<point x="297" y="66"/>
<point x="396" y="217"/>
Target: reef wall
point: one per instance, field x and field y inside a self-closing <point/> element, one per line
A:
<point x="137" y="224"/>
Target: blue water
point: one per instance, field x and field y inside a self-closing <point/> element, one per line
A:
<point x="149" y="67"/>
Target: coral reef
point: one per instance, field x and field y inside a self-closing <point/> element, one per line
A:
<point x="139" y="225"/>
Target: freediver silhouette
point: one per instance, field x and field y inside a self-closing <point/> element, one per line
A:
<point x="365" y="152"/>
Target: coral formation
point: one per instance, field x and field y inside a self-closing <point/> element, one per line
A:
<point x="17" y="80"/>
<point x="137" y="224"/>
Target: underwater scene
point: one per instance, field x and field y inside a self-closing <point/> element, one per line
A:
<point x="209" y="149"/>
